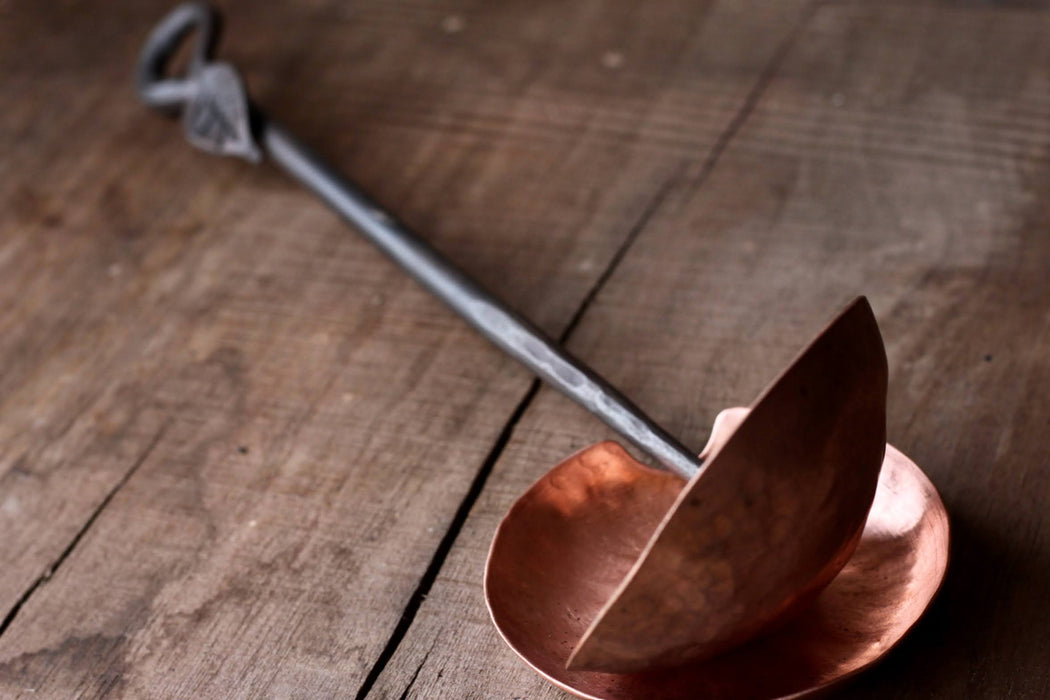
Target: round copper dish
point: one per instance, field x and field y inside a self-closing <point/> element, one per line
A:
<point x="577" y="532"/>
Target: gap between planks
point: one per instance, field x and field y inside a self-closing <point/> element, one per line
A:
<point x="43" y="578"/>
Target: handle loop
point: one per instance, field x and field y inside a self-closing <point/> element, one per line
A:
<point x="167" y="93"/>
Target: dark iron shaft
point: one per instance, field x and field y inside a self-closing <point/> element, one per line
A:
<point x="210" y="93"/>
<point x="507" y="329"/>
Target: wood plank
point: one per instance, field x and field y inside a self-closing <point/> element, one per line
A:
<point x="901" y="152"/>
<point x="236" y="434"/>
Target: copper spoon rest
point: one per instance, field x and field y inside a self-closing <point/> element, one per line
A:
<point x="542" y="590"/>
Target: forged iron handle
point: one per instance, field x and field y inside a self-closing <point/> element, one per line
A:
<point x="219" y="118"/>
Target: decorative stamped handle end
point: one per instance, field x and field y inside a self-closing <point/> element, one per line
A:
<point x="216" y="113"/>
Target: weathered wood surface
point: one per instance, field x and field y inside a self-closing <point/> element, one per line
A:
<point x="241" y="438"/>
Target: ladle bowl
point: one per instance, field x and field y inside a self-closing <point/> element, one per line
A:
<point x="774" y="514"/>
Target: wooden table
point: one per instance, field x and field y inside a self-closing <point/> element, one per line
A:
<point x="242" y="455"/>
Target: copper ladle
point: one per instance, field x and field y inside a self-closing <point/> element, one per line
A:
<point x="674" y="572"/>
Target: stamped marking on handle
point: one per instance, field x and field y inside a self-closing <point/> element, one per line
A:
<point x="216" y="116"/>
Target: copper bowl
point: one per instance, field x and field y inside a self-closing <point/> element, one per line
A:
<point x="772" y="516"/>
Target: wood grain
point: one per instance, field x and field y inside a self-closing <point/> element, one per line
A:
<point x="233" y="437"/>
<point x="898" y="151"/>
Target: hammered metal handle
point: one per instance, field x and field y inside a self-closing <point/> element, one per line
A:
<point x="219" y="118"/>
